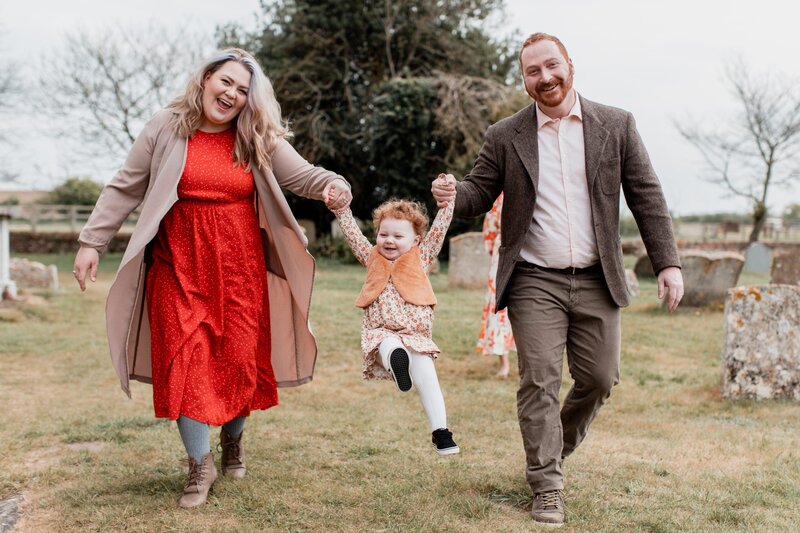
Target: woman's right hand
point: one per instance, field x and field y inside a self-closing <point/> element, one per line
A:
<point x="86" y="262"/>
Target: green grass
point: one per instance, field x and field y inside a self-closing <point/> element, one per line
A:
<point x="666" y="454"/>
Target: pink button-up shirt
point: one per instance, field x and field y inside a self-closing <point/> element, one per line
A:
<point x="561" y="233"/>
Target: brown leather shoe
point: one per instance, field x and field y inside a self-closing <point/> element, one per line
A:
<point x="232" y="455"/>
<point x="548" y="507"/>
<point x="201" y="476"/>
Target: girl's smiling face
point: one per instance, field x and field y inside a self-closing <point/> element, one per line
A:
<point x="395" y="237"/>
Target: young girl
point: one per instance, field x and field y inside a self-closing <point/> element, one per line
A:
<point x="398" y="302"/>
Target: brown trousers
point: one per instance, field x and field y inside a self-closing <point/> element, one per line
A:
<point x="548" y="312"/>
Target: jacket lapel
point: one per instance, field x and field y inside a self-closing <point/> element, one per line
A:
<point x="594" y="139"/>
<point x="526" y="143"/>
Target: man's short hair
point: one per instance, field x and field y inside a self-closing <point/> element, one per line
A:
<point x="536" y="37"/>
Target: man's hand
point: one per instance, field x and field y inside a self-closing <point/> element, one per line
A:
<point x="444" y="189"/>
<point x="670" y="285"/>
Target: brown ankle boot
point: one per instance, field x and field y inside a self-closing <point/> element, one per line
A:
<point x="232" y="455"/>
<point x="201" y="476"/>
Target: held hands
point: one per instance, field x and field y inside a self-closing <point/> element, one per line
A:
<point x="670" y="285"/>
<point x="86" y="262"/>
<point x="444" y="189"/>
<point x="337" y="195"/>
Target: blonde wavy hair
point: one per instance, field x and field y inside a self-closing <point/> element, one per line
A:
<point x="259" y="125"/>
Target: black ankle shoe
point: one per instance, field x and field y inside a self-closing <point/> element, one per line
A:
<point x="398" y="368"/>
<point x="443" y="440"/>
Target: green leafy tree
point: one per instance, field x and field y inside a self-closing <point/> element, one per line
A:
<point x="369" y="86"/>
<point x="74" y="191"/>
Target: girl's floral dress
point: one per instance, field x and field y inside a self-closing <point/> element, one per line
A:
<point x="389" y="315"/>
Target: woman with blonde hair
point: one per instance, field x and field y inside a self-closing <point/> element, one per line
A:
<point x="212" y="296"/>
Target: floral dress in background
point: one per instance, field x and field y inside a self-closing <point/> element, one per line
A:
<point x="389" y="315"/>
<point x="495" y="337"/>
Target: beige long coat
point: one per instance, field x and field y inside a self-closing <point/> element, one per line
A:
<point x="150" y="177"/>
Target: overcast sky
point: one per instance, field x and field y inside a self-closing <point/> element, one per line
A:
<point x="664" y="61"/>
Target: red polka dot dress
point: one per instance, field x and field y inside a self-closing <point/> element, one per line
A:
<point x="207" y="293"/>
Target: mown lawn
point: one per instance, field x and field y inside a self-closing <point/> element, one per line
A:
<point x="666" y="454"/>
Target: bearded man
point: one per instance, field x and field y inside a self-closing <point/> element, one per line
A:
<point x="561" y="163"/>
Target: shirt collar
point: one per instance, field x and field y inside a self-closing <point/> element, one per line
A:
<point x="542" y="119"/>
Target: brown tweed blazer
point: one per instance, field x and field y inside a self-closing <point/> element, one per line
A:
<point x="615" y="158"/>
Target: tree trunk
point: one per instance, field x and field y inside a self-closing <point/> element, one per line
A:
<point x="759" y="218"/>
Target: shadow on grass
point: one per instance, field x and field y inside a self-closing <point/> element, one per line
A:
<point x="118" y="431"/>
<point x="518" y="497"/>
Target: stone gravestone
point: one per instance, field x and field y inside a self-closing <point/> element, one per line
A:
<point x="707" y="276"/>
<point x="310" y="229"/>
<point x="8" y="289"/>
<point x="757" y="258"/>
<point x="761" y="350"/>
<point x="469" y="261"/>
<point x="643" y="267"/>
<point x="33" y="275"/>
<point x="786" y="268"/>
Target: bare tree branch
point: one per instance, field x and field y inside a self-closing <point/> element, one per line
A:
<point x="9" y="93"/>
<point x="758" y="149"/>
<point x="102" y="87"/>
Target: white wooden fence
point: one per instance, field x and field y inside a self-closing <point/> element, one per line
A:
<point x="43" y="218"/>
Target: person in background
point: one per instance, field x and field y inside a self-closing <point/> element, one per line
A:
<point x="495" y="337"/>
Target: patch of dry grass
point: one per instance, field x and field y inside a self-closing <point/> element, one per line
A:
<point x="666" y="453"/>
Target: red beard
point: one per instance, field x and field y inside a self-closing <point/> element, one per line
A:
<point x="555" y="97"/>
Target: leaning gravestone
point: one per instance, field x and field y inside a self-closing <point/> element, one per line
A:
<point x="8" y="289"/>
<point x="643" y="267"/>
<point x="761" y="350"/>
<point x="33" y="274"/>
<point x="469" y="262"/>
<point x="707" y="276"/>
<point x="757" y="258"/>
<point x="786" y="268"/>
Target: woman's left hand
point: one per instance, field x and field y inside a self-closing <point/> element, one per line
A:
<point x="337" y="195"/>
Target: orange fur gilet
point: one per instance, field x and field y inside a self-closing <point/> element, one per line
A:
<point x="405" y="272"/>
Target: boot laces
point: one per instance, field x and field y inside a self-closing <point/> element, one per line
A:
<point x="551" y="499"/>
<point x="196" y="474"/>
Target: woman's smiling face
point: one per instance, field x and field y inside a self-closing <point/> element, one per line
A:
<point x="224" y="95"/>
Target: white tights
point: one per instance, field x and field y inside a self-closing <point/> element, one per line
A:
<point x="423" y="376"/>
